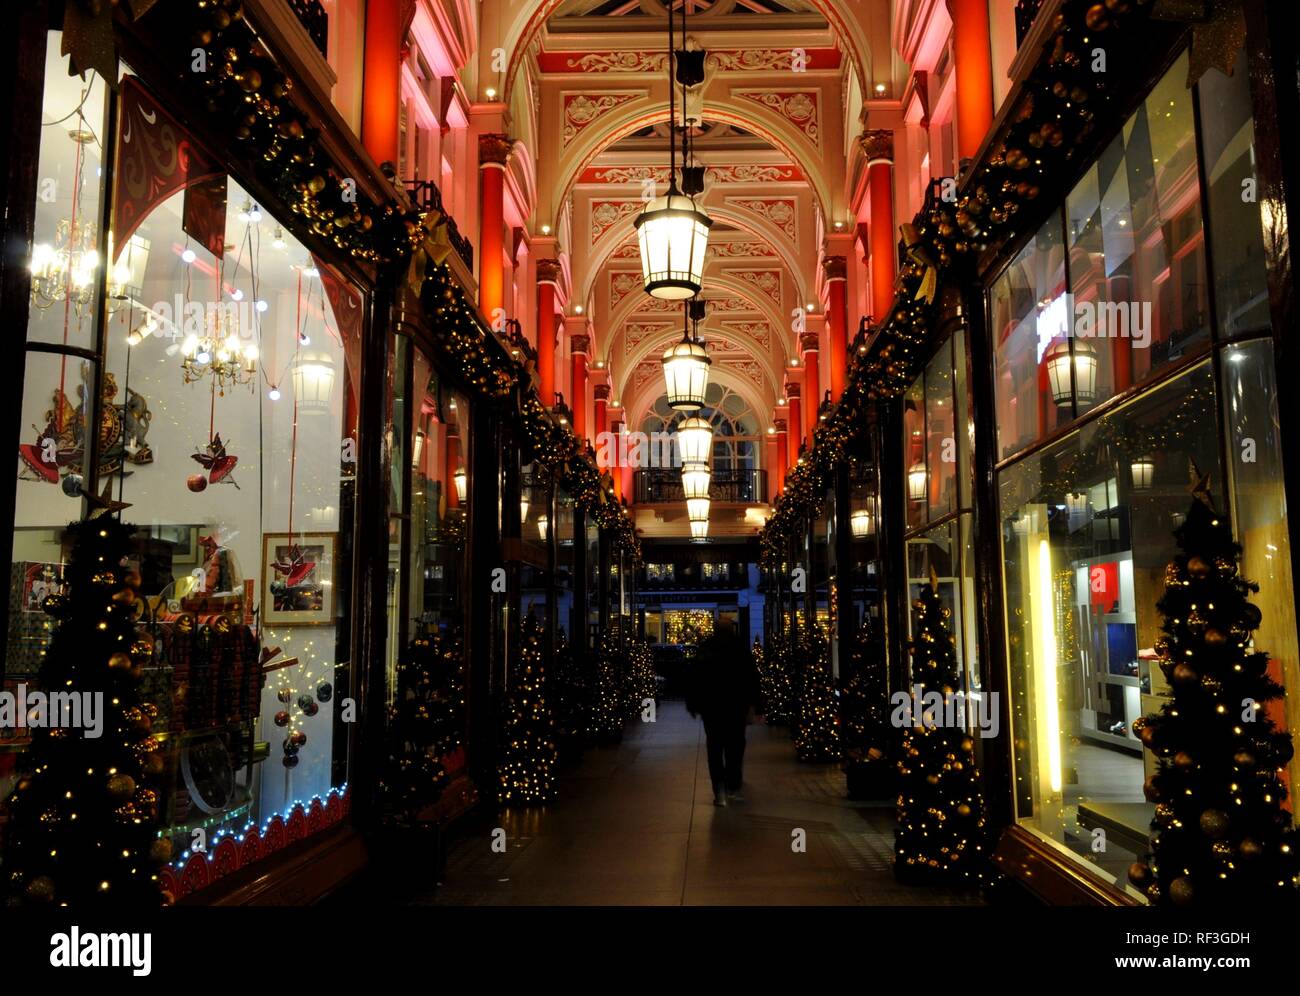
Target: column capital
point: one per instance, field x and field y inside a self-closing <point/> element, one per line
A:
<point x="548" y="271"/>
<point x="494" y="149"/>
<point x="809" y="342"/>
<point x="792" y="390"/>
<point x="877" y="145"/>
<point x="779" y="425"/>
<point x="580" y="343"/>
<point x="835" y="268"/>
<point x="600" y="392"/>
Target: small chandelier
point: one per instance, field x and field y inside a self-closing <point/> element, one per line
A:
<point x="695" y="480"/>
<point x="686" y="365"/>
<point x="218" y="352"/>
<point x="694" y="440"/>
<point x="65" y="270"/>
<point x="672" y="230"/>
<point x="1058" y="361"/>
<point x="916" y="479"/>
<point x="1144" y="472"/>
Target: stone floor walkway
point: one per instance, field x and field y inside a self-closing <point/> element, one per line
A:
<point x="636" y="825"/>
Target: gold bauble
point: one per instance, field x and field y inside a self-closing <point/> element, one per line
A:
<point x="121" y="787"/>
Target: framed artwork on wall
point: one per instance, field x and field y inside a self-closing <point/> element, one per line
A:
<point x="298" y="578"/>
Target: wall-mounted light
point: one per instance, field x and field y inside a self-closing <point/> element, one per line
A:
<point x="916" y="478"/>
<point x="461" y="481"/>
<point x="1144" y="472"/>
<point x="543" y="526"/>
<point x="1057" y="358"/>
<point x="862" y="523"/>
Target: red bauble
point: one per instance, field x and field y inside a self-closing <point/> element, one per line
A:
<point x="281" y="718"/>
<point x="197" y="482"/>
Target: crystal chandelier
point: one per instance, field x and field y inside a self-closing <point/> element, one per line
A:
<point x="218" y="352"/>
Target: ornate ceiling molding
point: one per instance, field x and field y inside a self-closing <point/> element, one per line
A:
<point x="735" y="60"/>
<point x="581" y="110"/>
<point x="799" y="107"/>
<point x="735" y="173"/>
<point x="767" y="282"/>
<point x="605" y="214"/>
<point x="783" y="212"/>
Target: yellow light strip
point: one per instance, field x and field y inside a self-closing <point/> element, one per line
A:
<point x="1047" y="664"/>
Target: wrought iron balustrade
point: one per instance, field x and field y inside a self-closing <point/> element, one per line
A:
<point x="664" y="484"/>
<point x="428" y="197"/>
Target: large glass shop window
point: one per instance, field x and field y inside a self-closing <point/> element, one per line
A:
<point x="227" y="426"/>
<point x="1087" y="528"/>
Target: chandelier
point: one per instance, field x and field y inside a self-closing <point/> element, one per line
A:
<point x="686" y="365"/>
<point x="673" y="231"/>
<point x="218" y="352"/>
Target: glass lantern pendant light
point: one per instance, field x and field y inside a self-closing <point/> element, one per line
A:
<point x="672" y="230"/>
<point x="697" y="509"/>
<point x="695" y="480"/>
<point x="1057" y="359"/>
<point x="694" y="440"/>
<point x="916" y="482"/>
<point x="699" y="529"/>
<point x="686" y="365"/>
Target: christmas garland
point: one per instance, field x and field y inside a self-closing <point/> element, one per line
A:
<point x="1091" y="53"/>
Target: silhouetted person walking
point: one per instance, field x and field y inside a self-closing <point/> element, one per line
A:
<point x="723" y="688"/>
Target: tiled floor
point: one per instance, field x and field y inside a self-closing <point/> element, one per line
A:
<point x="636" y="824"/>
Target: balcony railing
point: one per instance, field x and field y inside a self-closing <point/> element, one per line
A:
<point x="315" y="20"/>
<point x="664" y="484"/>
<point x="428" y="197"/>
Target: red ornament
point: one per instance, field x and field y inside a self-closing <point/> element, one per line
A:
<point x="282" y="718"/>
<point x="197" y="482"/>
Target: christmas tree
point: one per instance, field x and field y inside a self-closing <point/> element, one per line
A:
<point x="606" y="712"/>
<point x="82" y="819"/>
<point x="570" y="700"/>
<point x="642" y="686"/>
<point x="424" y="726"/>
<point x="1220" y="833"/>
<point x="942" y="835"/>
<point x="774" y="677"/>
<point x="818" y="734"/>
<point x="868" y="737"/>
<point x="528" y="741"/>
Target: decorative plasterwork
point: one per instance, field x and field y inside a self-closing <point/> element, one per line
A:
<point x="581" y="110"/>
<point x="759" y="332"/>
<point x="799" y="107"/>
<point x="780" y="211"/>
<point x="623" y="284"/>
<point x="635" y="333"/>
<point x="751" y="369"/>
<point x="723" y="61"/>
<point x="767" y="281"/>
<point x="734" y="173"/>
<point x="606" y="214"/>
<point x="642" y="374"/>
<point x="738" y="249"/>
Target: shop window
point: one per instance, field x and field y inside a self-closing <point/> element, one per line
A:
<point x="1137" y="256"/>
<point x="1236" y="222"/>
<point x="226" y="416"/>
<point x="1087" y="528"/>
<point x="1027" y="315"/>
<point x="937" y="436"/>
<point x="946" y="551"/>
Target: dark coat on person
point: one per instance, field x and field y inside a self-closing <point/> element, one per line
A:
<point x="723" y="682"/>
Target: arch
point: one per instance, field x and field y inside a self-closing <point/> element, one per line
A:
<point x="654" y="346"/>
<point x="627" y="308"/>
<point x="632" y="117"/>
<point x="524" y="31"/>
<point x="747" y="221"/>
<point x="641" y="402"/>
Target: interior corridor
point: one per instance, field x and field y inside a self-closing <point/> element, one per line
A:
<point x="636" y="825"/>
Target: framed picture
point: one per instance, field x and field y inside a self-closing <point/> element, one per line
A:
<point x="298" y="578"/>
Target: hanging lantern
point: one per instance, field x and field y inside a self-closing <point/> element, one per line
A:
<point x="694" y="440"/>
<point x="695" y="480"/>
<point x="672" y="230"/>
<point x="699" y="529"/>
<point x="862" y="522"/>
<point x="697" y="509"/>
<point x="523" y="509"/>
<point x="462" y="484"/>
<point x="686" y="374"/>
<point x="313" y="382"/>
<point x="673" y="233"/>
<point x="543" y="524"/>
<point x="1144" y="472"/>
<point x="916" y="482"/>
<point x="1058" y="361"/>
